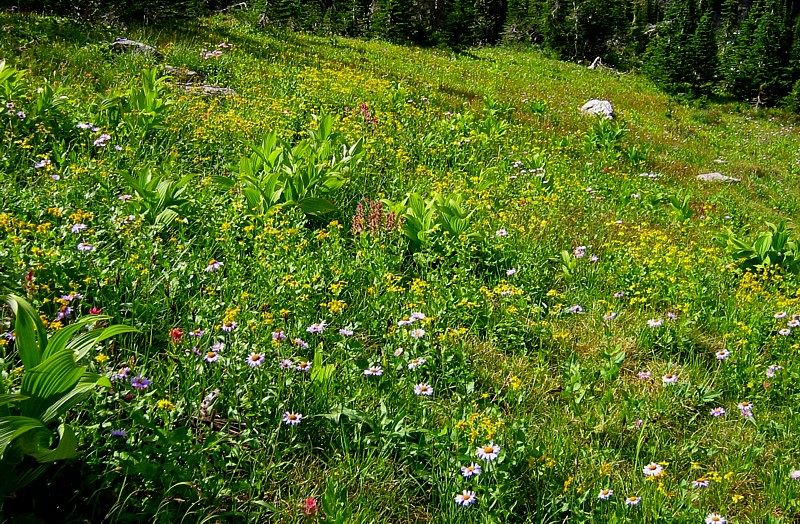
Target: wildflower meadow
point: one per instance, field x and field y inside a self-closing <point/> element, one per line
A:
<point x="263" y="276"/>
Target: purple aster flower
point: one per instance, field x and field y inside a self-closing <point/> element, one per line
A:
<point x="473" y="470"/>
<point x="317" y="328"/>
<point x="140" y="382"/>
<point x="213" y="265"/>
<point x="255" y="359"/>
<point x="771" y="370"/>
<point x="300" y="343"/>
<point x="278" y="335"/>
<point x="119" y="375"/>
<point x="65" y="312"/>
<point x="292" y="419"/>
<point x="101" y="140"/>
<point x="417" y="333"/>
<point x="119" y="433"/>
<point x="346" y="332"/>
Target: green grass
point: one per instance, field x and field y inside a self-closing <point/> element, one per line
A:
<point x="509" y="357"/>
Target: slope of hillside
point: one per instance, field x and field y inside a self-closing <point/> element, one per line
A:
<point x="388" y="284"/>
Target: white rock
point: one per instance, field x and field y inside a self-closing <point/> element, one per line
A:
<point x="598" y="107"/>
<point x="717" y="177"/>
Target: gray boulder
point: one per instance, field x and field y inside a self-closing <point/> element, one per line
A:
<point x="126" y="45"/>
<point x="716" y="177"/>
<point x="598" y="107"/>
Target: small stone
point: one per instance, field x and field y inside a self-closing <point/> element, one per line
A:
<point x="183" y="74"/>
<point x="598" y="107"/>
<point x="207" y="90"/>
<point x="717" y="177"/>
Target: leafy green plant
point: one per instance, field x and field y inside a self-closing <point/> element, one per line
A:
<point x="605" y="135"/>
<point x="278" y="175"/>
<point x="681" y="207"/>
<point x="493" y="127"/>
<point x="536" y="107"/>
<point x="637" y="155"/>
<point x="775" y="247"/>
<point x="317" y="166"/>
<point x="160" y="200"/>
<point x="498" y="108"/>
<point x="424" y="220"/>
<point x="52" y="384"/>
<point x="11" y="85"/>
<point x="144" y="108"/>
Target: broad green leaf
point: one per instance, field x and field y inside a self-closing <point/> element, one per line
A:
<point x="31" y="336"/>
<point x="61" y="337"/>
<point x="81" y="348"/>
<point x="13" y="427"/>
<point x="224" y="181"/>
<point x="67" y="446"/>
<point x="53" y="377"/>
<point x="10" y="398"/>
<point x="762" y="244"/>
<point x="315" y="206"/>
<point x="85" y="385"/>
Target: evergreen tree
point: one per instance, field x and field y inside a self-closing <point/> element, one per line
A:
<point x="671" y="54"/>
<point x="391" y="20"/>
<point x="730" y="17"/>
<point x="490" y="16"/>
<point x="794" y="53"/>
<point x="458" y="30"/>
<point x="706" y="61"/>
<point x="520" y="21"/>
<point x="759" y="66"/>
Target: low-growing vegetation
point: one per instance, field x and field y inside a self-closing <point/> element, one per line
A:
<point x="369" y="283"/>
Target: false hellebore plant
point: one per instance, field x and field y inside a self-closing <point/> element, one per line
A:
<point x="52" y="383"/>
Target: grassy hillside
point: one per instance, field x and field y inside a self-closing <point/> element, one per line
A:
<point x="375" y="266"/>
